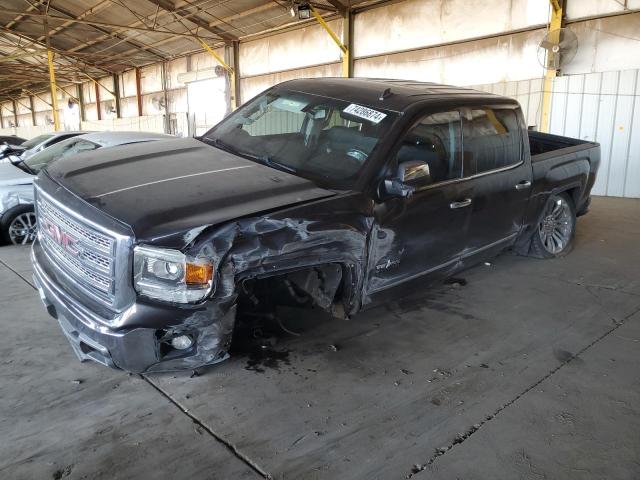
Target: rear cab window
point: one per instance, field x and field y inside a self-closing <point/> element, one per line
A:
<point x="492" y="138"/>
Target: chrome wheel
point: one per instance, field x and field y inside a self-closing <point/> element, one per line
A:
<point x="556" y="227"/>
<point x="22" y="229"/>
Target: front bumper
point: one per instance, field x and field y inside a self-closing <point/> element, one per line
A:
<point x="135" y="350"/>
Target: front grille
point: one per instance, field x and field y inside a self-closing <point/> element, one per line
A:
<point x="77" y="249"/>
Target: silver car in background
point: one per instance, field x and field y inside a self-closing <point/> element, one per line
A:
<point x="39" y="143"/>
<point x="17" y="218"/>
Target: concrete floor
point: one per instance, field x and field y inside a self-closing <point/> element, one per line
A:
<point x="529" y="370"/>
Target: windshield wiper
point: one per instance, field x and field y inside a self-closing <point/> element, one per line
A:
<point x="216" y="142"/>
<point x="264" y="159"/>
<point x="23" y="166"/>
<point x="267" y="160"/>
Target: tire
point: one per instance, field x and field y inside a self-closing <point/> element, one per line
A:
<point x="18" y="225"/>
<point x="553" y="236"/>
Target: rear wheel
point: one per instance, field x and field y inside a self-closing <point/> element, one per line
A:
<point x="555" y="232"/>
<point x="19" y="225"/>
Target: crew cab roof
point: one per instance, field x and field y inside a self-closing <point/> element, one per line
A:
<point x="369" y="91"/>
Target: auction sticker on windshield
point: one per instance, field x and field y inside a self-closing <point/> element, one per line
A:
<point x="370" y="114"/>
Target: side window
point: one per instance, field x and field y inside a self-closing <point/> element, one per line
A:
<point x="60" y="150"/>
<point x="435" y="140"/>
<point x="492" y="138"/>
<point x="59" y="138"/>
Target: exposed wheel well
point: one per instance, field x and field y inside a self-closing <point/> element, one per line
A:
<point x="574" y="194"/>
<point x="326" y="286"/>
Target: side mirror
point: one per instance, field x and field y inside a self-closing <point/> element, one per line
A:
<point x="414" y="171"/>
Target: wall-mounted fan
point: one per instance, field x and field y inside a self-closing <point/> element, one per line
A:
<point x="109" y="107"/>
<point x="557" y="49"/>
<point x="158" y="103"/>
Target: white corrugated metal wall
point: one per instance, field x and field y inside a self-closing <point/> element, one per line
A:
<point x="602" y="107"/>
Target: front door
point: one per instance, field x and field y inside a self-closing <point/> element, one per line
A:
<point x="426" y="232"/>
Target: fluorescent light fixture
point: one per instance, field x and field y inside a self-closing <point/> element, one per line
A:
<point x="304" y="11"/>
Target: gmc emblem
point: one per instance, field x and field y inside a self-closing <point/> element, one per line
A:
<point x="68" y="243"/>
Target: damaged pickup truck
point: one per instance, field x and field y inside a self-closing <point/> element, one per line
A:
<point x="323" y="192"/>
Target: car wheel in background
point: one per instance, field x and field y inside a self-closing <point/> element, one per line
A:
<point x="19" y="225"/>
<point x="555" y="232"/>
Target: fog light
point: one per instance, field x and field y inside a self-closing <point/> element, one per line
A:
<point x="182" y="342"/>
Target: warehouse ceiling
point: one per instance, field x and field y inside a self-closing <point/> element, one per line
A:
<point x="93" y="38"/>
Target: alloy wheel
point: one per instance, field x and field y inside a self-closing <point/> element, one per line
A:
<point x="23" y="229"/>
<point x="556" y="227"/>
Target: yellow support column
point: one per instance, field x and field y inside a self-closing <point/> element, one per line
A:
<point x="555" y="24"/>
<point x="232" y="73"/>
<point x="337" y="41"/>
<point x="54" y="96"/>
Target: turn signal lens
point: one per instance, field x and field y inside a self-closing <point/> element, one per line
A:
<point x="198" y="274"/>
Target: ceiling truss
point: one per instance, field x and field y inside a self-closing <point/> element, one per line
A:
<point x="110" y="36"/>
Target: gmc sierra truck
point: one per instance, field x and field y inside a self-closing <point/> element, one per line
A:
<point x="328" y="193"/>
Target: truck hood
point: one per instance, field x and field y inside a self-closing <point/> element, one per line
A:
<point x="11" y="175"/>
<point x="165" y="189"/>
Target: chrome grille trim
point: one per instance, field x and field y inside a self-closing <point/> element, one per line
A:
<point x="75" y="266"/>
<point x="91" y="261"/>
<point x="96" y="240"/>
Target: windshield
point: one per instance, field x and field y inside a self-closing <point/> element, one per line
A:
<point x="35" y="141"/>
<point x="317" y="137"/>
<point x="66" y="148"/>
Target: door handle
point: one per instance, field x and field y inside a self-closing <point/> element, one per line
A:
<point x="522" y="185"/>
<point x="461" y="204"/>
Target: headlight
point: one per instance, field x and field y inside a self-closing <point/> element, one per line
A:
<point x="170" y="275"/>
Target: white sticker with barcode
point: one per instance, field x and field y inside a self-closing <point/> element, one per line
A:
<point x="370" y="114"/>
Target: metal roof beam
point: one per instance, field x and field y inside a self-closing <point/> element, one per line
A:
<point x="56" y="18"/>
<point x="184" y="14"/>
<point x="339" y="6"/>
<point x="21" y="15"/>
<point x="135" y="43"/>
<point x="259" y="9"/>
<point x="95" y="9"/>
<point x="66" y="56"/>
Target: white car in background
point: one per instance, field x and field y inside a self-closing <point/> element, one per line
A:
<point x="17" y="218"/>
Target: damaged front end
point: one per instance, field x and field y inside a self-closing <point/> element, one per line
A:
<point x="262" y="264"/>
<point x="176" y="320"/>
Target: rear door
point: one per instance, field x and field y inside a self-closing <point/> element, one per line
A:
<point x="494" y="149"/>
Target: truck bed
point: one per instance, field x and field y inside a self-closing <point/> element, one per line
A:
<point x="565" y="164"/>
<point x="541" y="144"/>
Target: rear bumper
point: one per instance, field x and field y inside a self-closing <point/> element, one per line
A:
<point x="135" y="350"/>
